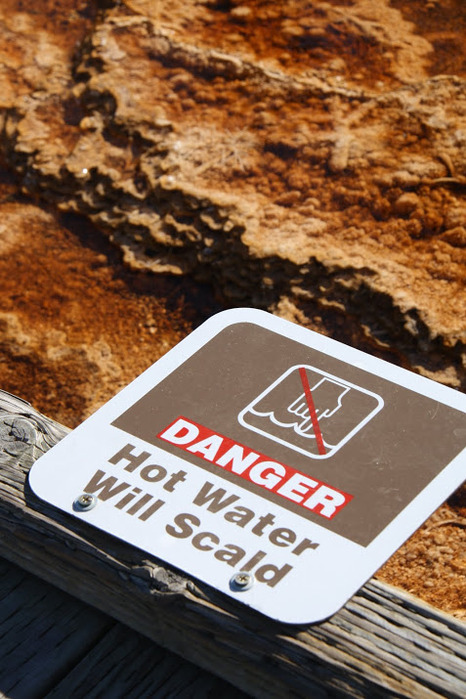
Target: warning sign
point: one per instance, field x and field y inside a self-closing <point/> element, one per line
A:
<point x="259" y="449"/>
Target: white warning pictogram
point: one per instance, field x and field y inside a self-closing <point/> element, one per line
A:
<point x="311" y="411"/>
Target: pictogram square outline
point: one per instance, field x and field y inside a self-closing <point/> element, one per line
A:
<point x="294" y="447"/>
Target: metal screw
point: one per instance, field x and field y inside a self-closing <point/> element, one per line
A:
<point x="84" y="502"/>
<point x="242" y="581"/>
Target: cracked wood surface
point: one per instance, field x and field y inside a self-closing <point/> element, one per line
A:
<point x="53" y="645"/>
<point x="384" y="642"/>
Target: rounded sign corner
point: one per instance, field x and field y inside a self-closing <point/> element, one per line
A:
<point x="242" y="314"/>
<point x="315" y="616"/>
<point x="35" y="480"/>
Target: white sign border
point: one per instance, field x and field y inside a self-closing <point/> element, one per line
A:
<point x="358" y="563"/>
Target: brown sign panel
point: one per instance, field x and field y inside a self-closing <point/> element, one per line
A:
<point x="335" y="444"/>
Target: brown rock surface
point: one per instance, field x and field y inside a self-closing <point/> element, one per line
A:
<point x="305" y="157"/>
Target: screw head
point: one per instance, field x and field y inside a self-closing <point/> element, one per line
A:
<point x="84" y="502"/>
<point x="241" y="581"/>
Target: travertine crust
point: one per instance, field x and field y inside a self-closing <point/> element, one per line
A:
<point x="276" y="181"/>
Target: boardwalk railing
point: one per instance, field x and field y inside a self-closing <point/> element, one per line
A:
<point x="383" y="643"/>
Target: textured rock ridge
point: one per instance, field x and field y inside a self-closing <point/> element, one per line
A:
<point x="314" y="189"/>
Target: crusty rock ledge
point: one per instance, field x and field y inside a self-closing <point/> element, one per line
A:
<point x="317" y="192"/>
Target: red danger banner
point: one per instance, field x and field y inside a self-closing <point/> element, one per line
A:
<point x="255" y="467"/>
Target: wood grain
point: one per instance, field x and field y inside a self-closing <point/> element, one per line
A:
<point x="384" y="642"/>
<point x="43" y="633"/>
<point x="124" y="664"/>
<point x="53" y="645"/>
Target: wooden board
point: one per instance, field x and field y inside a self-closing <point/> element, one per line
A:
<point x="383" y="643"/>
<point x="43" y="632"/>
<point x="53" y="645"/>
<point x="125" y="664"/>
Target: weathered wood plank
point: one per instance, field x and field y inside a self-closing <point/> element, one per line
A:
<point x="383" y="643"/>
<point x="44" y="633"/>
<point x="126" y="665"/>
<point x="53" y="645"/>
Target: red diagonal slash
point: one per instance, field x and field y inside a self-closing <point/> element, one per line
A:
<point x="312" y="410"/>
